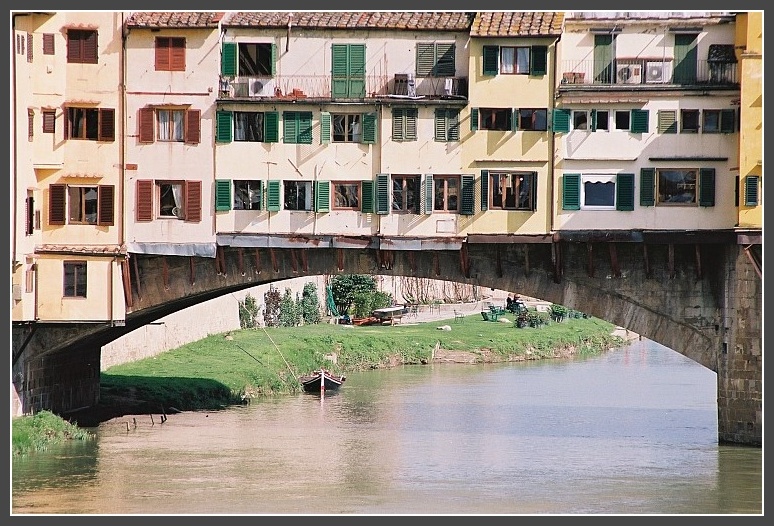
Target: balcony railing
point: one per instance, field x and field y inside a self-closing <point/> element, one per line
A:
<point x="325" y="87"/>
<point x="627" y="72"/>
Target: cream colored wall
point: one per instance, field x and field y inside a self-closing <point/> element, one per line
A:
<point x="104" y="294"/>
<point x="195" y="88"/>
<point x="751" y="107"/>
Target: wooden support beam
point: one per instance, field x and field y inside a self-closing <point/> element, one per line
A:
<point x="305" y="259"/>
<point x="257" y="267"/>
<point x="340" y="259"/>
<point x="614" y="259"/>
<point x="698" y="261"/>
<point x="556" y="259"/>
<point x="385" y="259"/>
<point x="220" y="261"/>
<point x="590" y="259"/>
<point x="241" y="254"/>
<point x="137" y="277"/>
<point x="293" y="260"/>
<point x="648" y="271"/>
<point x="412" y="260"/>
<point x="193" y="270"/>
<point x="274" y="264"/>
<point x="671" y="261"/>
<point x="127" y="279"/>
<point x="436" y="264"/>
<point x="165" y="272"/>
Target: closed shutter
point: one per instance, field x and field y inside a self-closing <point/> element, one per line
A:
<point x="491" y="60"/>
<point x="271" y="126"/>
<point x="273" y="196"/>
<point x="48" y="44"/>
<point x="49" y="121"/>
<point x="398" y="116"/>
<point x="473" y="119"/>
<point x="444" y="63"/>
<point x="538" y="64"/>
<point x="273" y="60"/>
<point x="367" y="200"/>
<point x="193" y="201"/>
<point x="339" y="69"/>
<point x="322" y="196"/>
<point x="325" y="127"/>
<point x="107" y="124"/>
<point x="571" y="192"/>
<point x="228" y="59"/>
<point x="484" y="190"/>
<point x="707" y="187"/>
<point x="144" y="205"/>
<point x="56" y="204"/>
<point x="223" y="126"/>
<point x="468" y="195"/>
<point x="534" y="191"/>
<point x="29" y="47"/>
<point x="106" y="205"/>
<point x="667" y="121"/>
<point x="440" y="125"/>
<point x="453" y="125"/>
<point x="428" y="194"/>
<point x="357" y="56"/>
<point x="369" y="128"/>
<point x="624" y="189"/>
<point x="382" y="194"/>
<point x="411" y="124"/>
<point x="90" y="48"/>
<point x="639" y="121"/>
<point x="751" y="190"/>
<point x="222" y="195"/>
<point x="193" y="129"/>
<point x="305" y="127"/>
<point x="561" y="121"/>
<point x="425" y="59"/>
<point x="177" y="54"/>
<point x="727" y="118"/>
<point x="162" y="53"/>
<point x="647" y="186"/>
<point x="147" y="125"/>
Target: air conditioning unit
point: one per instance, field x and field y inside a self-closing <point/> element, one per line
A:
<point x="405" y="85"/>
<point x="628" y="74"/>
<point x="657" y="72"/>
<point x="260" y="88"/>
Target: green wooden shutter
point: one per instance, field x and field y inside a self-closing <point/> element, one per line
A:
<point x="228" y="59"/>
<point x="538" y="63"/>
<point x="290" y="127"/>
<point x="444" y="60"/>
<point x="357" y="57"/>
<point x="561" y="120"/>
<point x="751" y="190"/>
<point x="453" y="125"/>
<point x="593" y="120"/>
<point x="273" y="59"/>
<point x="339" y="70"/>
<point x="305" y="127"/>
<point x="440" y="125"/>
<point x="473" y="119"/>
<point x="534" y="190"/>
<point x="411" y="124"/>
<point x="571" y="192"/>
<point x="222" y="194"/>
<point x="425" y="59"/>
<point x="398" y="115"/>
<point x="382" y="194"/>
<point x="647" y="186"/>
<point x="273" y="196"/>
<point x="667" y="121"/>
<point x="484" y="190"/>
<point x="707" y="187"/>
<point x="367" y="200"/>
<point x="727" y="118"/>
<point x="325" y="127"/>
<point x="491" y="60"/>
<point x="428" y="194"/>
<point x="624" y="189"/>
<point x="271" y="126"/>
<point x="468" y="195"/>
<point x="322" y="196"/>
<point x="369" y="128"/>
<point x="515" y="119"/>
<point x="639" y="121"/>
<point x="224" y="129"/>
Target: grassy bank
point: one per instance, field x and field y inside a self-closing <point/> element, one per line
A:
<point x="41" y="431"/>
<point x="231" y="368"/>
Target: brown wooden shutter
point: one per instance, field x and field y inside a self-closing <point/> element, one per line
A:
<point x="30" y="124"/>
<point x="162" y="53"/>
<point x="49" y="121"/>
<point x="193" y="201"/>
<point x="144" y="200"/>
<point x="66" y="123"/>
<point x="146" y="125"/>
<point x="106" y="205"/>
<point x="90" y="48"/>
<point x="29" y="47"/>
<point x="107" y="124"/>
<point x="48" y="44"/>
<point x="56" y="204"/>
<point x="177" y="54"/>
<point x="193" y="126"/>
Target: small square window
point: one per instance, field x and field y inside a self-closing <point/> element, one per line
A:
<point x="580" y="120"/>
<point x="346" y="195"/>
<point x="689" y="121"/>
<point x="74" y="279"/>
<point x="498" y="119"/>
<point x="622" y="119"/>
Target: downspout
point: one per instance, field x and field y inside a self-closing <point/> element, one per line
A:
<point x="14" y="139"/>
<point x="122" y="142"/>
<point x="552" y="143"/>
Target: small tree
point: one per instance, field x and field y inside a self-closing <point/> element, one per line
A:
<point x="248" y="312"/>
<point x="272" y="301"/>
<point x="310" y="304"/>
<point x="289" y="314"/>
<point x="345" y="286"/>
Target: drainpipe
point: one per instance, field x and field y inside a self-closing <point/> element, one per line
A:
<point x="552" y="143"/>
<point x="14" y="220"/>
<point x="122" y="142"/>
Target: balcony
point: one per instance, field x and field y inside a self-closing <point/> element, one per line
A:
<point x="325" y="87"/>
<point x="630" y="72"/>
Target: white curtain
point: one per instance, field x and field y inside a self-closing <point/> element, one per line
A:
<point x="164" y="125"/>
<point x="177" y="194"/>
<point x="179" y="117"/>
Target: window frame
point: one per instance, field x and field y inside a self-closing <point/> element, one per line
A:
<point x="72" y="286"/>
<point x="308" y="196"/>
<point x="96" y="124"/>
<point x="348" y="190"/>
<point x="86" y="206"/>
<point x="264" y="59"/>
<point x="172" y="56"/>
<point x="531" y="118"/>
<point x="257" y="126"/>
<point x="595" y="178"/>
<point x="496" y="180"/>
<point x="349" y="136"/>
<point x="495" y="114"/>
<point x="671" y="201"/>
<point x="516" y="60"/>
<point x="254" y="192"/>
<point x="80" y="46"/>
<point x="409" y="203"/>
<point x="159" y="193"/>
<point x="581" y="115"/>
<point x="696" y="114"/>
<point x="441" y="182"/>
<point x="622" y="113"/>
<point x="596" y="119"/>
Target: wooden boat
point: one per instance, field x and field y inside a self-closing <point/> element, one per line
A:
<point x="314" y="383"/>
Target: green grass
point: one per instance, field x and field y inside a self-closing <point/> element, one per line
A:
<point x="44" y="429"/>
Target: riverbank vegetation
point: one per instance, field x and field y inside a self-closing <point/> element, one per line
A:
<point x="41" y="431"/>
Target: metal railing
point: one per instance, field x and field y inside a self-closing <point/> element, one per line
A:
<point x="323" y="86"/>
<point x="648" y="72"/>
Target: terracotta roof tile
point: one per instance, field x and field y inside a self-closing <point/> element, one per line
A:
<point x="517" y="24"/>
<point x="164" y="19"/>
<point x="417" y="21"/>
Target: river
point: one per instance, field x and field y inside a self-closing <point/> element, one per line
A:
<point x="629" y="432"/>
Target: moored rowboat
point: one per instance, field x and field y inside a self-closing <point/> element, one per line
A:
<point x="320" y="381"/>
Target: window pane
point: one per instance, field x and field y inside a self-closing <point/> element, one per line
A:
<point x="522" y="60"/>
<point x="346" y="195"/>
<point x="599" y="194"/>
<point x="508" y="60"/>
<point x="677" y="186"/>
